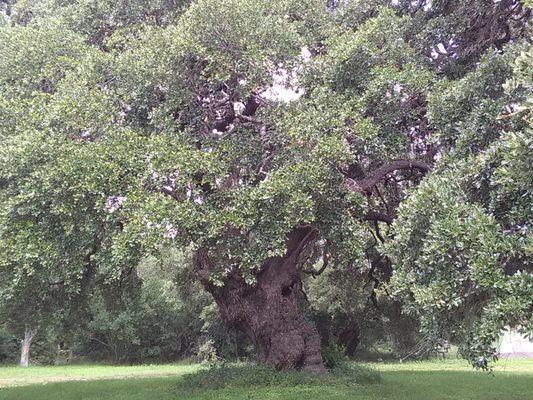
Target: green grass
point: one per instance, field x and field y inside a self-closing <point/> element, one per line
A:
<point x="16" y="376"/>
<point x="430" y="380"/>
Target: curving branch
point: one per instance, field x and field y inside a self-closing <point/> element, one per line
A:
<point x="378" y="217"/>
<point x="298" y="240"/>
<point x="169" y="192"/>
<point x="366" y="184"/>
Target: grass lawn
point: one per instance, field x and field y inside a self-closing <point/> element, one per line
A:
<point x="450" y="379"/>
<point x="16" y="376"/>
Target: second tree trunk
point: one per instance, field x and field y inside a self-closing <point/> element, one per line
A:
<point x="25" y="348"/>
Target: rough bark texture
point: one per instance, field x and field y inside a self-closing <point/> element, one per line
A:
<point x="267" y="312"/>
<point x="25" y="348"/>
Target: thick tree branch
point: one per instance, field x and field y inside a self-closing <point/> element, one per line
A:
<point x="366" y="184"/>
<point x="169" y="192"/>
<point x="377" y="216"/>
<point x="251" y="106"/>
<point x="378" y="232"/>
<point x="298" y="240"/>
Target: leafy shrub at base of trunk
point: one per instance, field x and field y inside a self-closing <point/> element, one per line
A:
<point x="334" y="355"/>
<point x="244" y="375"/>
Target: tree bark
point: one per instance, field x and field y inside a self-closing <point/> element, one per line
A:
<point x="267" y="312"/>
<point x="25" y="347"/>
<point x="366" y="184"/>
<point x="349" y="336"/>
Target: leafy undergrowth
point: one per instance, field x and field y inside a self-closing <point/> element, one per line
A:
<point x="245" y="375"/>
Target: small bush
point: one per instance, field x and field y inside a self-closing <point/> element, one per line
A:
<point x="334" y="355"/>
<point x="207" y="353"/>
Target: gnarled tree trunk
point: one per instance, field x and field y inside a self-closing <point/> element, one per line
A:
<point x="267" y="312"/>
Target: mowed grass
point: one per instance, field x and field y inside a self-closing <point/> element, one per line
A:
<point x="429" y="380"/>
<point x="16" y="376"/>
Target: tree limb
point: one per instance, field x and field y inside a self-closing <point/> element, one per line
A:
<point x="251" y="106"/>
<point x="366" y="184"/>
<point x="377" y="216"/>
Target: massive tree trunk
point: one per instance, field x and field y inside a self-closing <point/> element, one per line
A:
<point x="25" y="347"/>
<point x="267" y="312"/>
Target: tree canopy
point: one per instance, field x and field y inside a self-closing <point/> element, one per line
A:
<point x="390" y="141"/>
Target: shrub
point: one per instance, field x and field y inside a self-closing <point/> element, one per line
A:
<point x="334" y="355"/>
<point x="207" y="353"/>
<point x="246" y="375"/>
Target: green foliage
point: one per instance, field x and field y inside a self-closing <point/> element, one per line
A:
<point x="222" y="36"/>
<point x="333" y="355"/>
<point x="207" y="353"/>
<point x="464" y="112"/>
<point x="462" y="243"/>
<point x="98" y="20"/>
<point x="167" y="318"/>
<point x="8" y="345"/>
